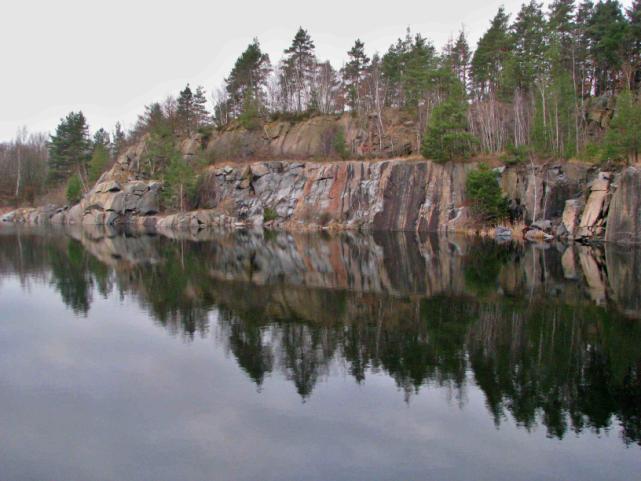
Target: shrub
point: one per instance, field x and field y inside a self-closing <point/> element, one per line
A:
<point x="483" y="190"/>
<point x="74" y="189"/>
<point x="339" y="144"/>
<point x="592" y="152"/>
<point x="446" y="137"/>
<point x="515" y="155"/>
<point x="250" y="116"/>
<point x="269" y="214"/>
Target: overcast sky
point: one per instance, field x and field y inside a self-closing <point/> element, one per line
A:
<point x="110" y="58"/>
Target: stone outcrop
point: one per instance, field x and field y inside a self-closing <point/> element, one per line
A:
<point x="624" y="219"/>
<point x="383" y="195"/>
<point x="570" y="200"/>
<point x="314" y="138"/>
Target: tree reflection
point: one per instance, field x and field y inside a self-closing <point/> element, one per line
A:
<point x="507" y="318"/>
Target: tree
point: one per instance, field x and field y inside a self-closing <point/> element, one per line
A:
<point x="74" y="189"/>
<point x="484" y="192"/>
<point x="561" y="28"/>
<point x="98" y="162"/>
<point x="185" y="111"/>
<point x="201" y="115"/>
<point x="101" y="137"/>
<point x="460" y="57"/>
<point x="530" y="44"/>
<point x="492" y="55"/>
<point x="179" y="182"/>
<point x="119" y="140"/>
<point x="623" y="138"/>
<point x="447" y="137"/>
<point x="69" y="148"/>
<point x="353" y="73"/>
<point x="299" y="64"/>
<point x="327" y="87"/>
<point x="607" y="31"/>
<point x="634" y="42"/>
<point x="248" y="77"/>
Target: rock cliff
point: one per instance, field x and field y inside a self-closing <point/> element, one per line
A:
<point x="569" y="200"/>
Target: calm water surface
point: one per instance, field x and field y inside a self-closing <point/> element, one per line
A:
<point x="251" y="356"/>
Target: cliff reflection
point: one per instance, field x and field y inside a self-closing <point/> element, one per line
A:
<point x="549" y="333"/>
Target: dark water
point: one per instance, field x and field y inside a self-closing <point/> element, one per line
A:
<point x="245" y="356"/>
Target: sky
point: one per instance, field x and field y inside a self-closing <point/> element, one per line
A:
<point x="109" y="59"/>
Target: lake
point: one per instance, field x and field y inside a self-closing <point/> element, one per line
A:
<point x="273" y="356"/>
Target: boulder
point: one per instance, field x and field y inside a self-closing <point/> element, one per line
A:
<point x="544" y="225"/>
<point x="115" y="202"/>
<point x="503" y="233"/>
<point x="149" y="203"/>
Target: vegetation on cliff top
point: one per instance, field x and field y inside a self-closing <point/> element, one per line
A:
<point x="543" y="83"/>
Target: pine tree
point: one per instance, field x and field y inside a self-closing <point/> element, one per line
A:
<point x="248" y="77"/>
<point x="119" y="139"/>
<point x="185" y="111"/>
<point x="447" y="136"/>
<point x="394" y="67"/>
<point x="300" y="63"/>
<point x="420" y="69"/>
<point x="353" y="73"/>
<point x="561" y="30"/>
<point x="101" y="137"/>
<point x="460" y="58"/>
<point x="623" y="138"/>
<point x="607" y="31"/>
<point x="69" y="148"/>
<point x="492" y="55"/>
<point x="530" y="43"/>
<point x="634" y="41"/>
<point x="201" y="115"/>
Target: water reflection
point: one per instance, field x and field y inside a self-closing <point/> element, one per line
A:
<point x="550" y="333"/>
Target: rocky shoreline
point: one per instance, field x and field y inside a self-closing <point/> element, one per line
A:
<point x="569" y="200"/>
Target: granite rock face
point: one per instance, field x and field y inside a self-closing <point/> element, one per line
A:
<point x="383" y="195"/>
<point x="574" y="201"/>
<point x="624" y="217"/>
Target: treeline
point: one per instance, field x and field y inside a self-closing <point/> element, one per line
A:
<point x="34" y="164"/>
<point x="555" y="83"/>
<point x="529" y="84"/>
<point x="23" y="163"/>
